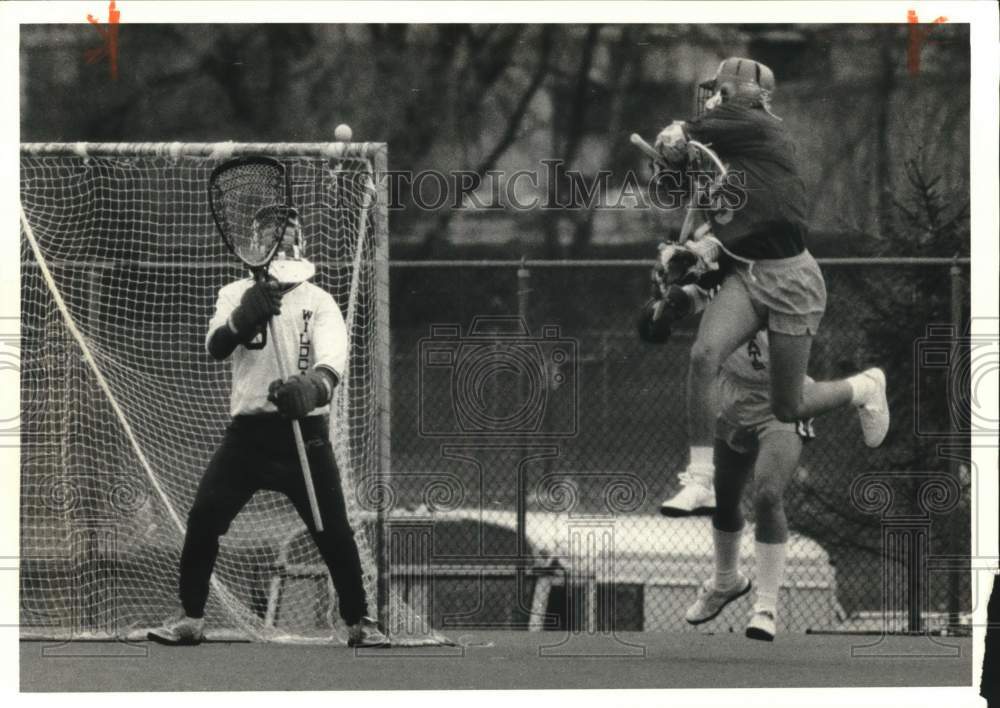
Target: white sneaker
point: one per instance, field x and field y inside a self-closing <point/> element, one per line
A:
<point x="761" y="625"/>
<point x="179" y="630"/>
<point x="696" y="497"/>
<point x="366" y="634"/>
<point x="711" y="602"/>
<point x="873" y="412"/>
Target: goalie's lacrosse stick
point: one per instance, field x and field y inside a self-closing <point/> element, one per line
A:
<point x="239" y="192"/>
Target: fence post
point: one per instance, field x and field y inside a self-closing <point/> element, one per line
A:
<point x="523" y="289"/>
<point x="955" y="274"/>
<point x="523" y="303"/>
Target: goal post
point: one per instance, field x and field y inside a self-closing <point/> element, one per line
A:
<point x="122" y="407"/>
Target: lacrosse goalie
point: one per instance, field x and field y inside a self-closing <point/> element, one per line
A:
<point x="257" y="450"/>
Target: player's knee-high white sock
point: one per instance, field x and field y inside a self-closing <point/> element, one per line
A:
<point x="701" y="459"/>
<point x="770" y="573"/>
<point x="727" y="558"/>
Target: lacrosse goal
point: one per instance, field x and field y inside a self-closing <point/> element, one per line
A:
<point x="121" y="407"/>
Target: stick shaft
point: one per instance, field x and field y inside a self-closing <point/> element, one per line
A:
<point x="688" y="226"/>
<point x="646" y="148"/>
<point x="300" y="445"/>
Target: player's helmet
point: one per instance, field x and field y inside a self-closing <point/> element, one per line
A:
<point x="737" y="79"/>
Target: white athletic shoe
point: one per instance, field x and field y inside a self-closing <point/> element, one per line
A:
<point x="873" y="412"/>
<point x="711" y="602"/>
<point x="179" y="630"/>
<point x="696" y="497"/>
<point x="761" y="625"/>
<point x="366" y="634"/>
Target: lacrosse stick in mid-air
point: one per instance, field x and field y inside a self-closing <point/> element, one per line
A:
<point x="676" y="264"/>
<point x="249" y="197"/>
<point x="681" y="281"/>
<point x="705" y="161"/>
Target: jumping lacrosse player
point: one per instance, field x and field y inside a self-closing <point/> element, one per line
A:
<point x="258" y="450"/>
<point x="748" y="437"/>
<point x="773" y="281"/>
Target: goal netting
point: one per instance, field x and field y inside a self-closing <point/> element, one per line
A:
<point x="121" y="407"/>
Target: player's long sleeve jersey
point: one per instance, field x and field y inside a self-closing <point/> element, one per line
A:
<point x="312" y="333"/>
<point x="757" y="148"/>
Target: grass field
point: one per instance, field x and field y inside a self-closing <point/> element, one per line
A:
<point x="505" y="660"/>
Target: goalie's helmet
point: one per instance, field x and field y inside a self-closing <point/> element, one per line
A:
<point x="289" y="264"/>
<point x="738" y="80"/>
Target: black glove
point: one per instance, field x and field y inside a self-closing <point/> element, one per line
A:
<point x="659" y="313"/>
<point x="298" y="396"/>
<point x="653" y="323"/>
<point x="259" y="303"/>
<point x="677" y="304"/>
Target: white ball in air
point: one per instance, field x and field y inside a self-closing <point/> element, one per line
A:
<point x="343" y="133"/>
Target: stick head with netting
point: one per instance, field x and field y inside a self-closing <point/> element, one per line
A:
<point x="249" y="197"/>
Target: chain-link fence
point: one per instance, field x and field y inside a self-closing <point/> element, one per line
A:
<point x="534" y="437"/>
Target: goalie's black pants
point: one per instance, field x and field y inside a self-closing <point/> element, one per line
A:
<point x="258" y="452"/>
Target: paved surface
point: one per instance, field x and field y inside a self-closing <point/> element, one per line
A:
<point x="505" y="660"/>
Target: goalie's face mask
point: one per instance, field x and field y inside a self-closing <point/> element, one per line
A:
<point x="289" y="265"/>
<point x="291" y="242"/>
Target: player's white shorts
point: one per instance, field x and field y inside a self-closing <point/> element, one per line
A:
<point x="788" y="293"/>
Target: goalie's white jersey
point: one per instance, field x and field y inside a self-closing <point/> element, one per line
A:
<point x="311" y="331"/>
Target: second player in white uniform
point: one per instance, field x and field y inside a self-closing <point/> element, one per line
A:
<point x="748" y="438"/>
<point x="749" y="441"/>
